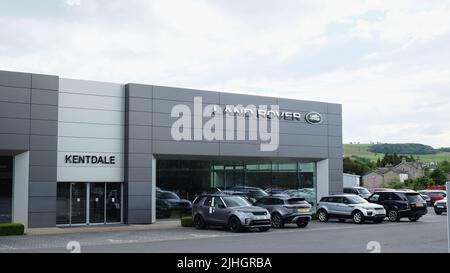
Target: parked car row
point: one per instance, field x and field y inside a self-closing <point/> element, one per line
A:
<point x="237" y="213"/>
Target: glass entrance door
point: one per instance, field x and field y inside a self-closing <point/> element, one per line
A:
<point x="113" y="202"/>
<point x="96" y="203"/>
<point x="89" y="203"/>
<point x="78" y="206"/>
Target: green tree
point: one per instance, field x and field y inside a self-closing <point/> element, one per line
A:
<point x="438" y="176"/>
<point x="355" y="166"/>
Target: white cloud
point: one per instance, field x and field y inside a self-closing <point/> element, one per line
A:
<point x="390" y="71"/>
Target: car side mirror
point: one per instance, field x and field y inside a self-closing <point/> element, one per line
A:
<point x="445" y="195"/>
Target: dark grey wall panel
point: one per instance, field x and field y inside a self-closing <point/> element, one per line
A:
<point x="335" y="142"/>
<point x="140" y="174"/>
<point x="140" y="104"/>
<point x="140" y="146"/>
<point x="334" y="130"/>
<point x="43" y="158"/>
<point x="42" y="219"/>
<point x="139" y="91"/>
<point x="46" y="97"/>
<point x="48" y="112"/>
<point x="42" y="204"/>
<point x="14" y="110"/>
<point x="139" y="201"/>
<point x="185" y="147"/>
<point x="139" y="118"/>
<point x="139" y="188"/>
<point x="44" y="127"/>
<point x="139" y="132"/>
<point x="14" y="94"/>
<point x="45" y="81"/>
<point x="41" y="189"/>
<point x="16" y="79"/>
<point x="183" y="94"/>
<point x="42" y="173"/>
<point x="335" y="108"/>
<point x="303" y="151"/>
<point x="43" y="143"/>
<point x="14" y="126"/>
<point x="14" y="142"/>
<point x="234" y="99"/>
<point x="140" y="216"/>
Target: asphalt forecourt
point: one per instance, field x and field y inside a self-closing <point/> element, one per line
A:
<point x="426" y="235"/>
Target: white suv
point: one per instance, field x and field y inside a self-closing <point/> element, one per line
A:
<point x="349" y="206"/>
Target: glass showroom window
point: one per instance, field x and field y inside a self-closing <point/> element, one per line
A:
<point x="180" y="181"/>
<point x="6" y="190"/>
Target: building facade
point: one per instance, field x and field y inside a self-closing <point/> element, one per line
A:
<point x="401" y="172"/>
<point x="75" y="152"/>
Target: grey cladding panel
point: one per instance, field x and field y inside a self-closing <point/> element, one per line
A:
<point x="42" y="204"/>
<point x="42" y="174"/>
<point x="14" y="110"/>
<point x="303" y="140"/>
<point x="304" y="151"/>
<point x="49" y="97"/>
<point x="14" y="142"/>
<point x="44" y="81"/>
<point x="43" y="143"/>
<point x="15" y="79"/>
<point x="140" y="104"/>
<point x="230" y="149"/>
<point x="185" y="147"/>
<point x="139" y="132"/>
<point x="140" y="188"/>
<point x="14" y="126"/>
<point x="44" y="112"/>
<point x="334" y="108"/>
<point x="139" y="216"/>
<point x="140" y="160"/>
<point x="139" y="118"/>
<point x="139" y="174"/>
<point x="182" y="94"/>
<point x="44" y="127"/>
<point x="245" y="100"/>
<point x="43" y="158"/>
<point x="14" y="94"/>
<point x="42" y="189"/>
<point x="136" y="202"/>
<point x="138" y="90"/>
<point x="139" y="146"/>
<point x="43" y="219"/>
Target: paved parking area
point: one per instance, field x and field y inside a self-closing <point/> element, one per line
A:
<point x="429" y="234"/>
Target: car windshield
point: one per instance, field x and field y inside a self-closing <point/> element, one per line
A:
<point x="168" y="195"/>
<point x="356" y="199"/>
<point x="235" y="201"/>
<point x="414" y="197"/>
<point x="363" y="191"/>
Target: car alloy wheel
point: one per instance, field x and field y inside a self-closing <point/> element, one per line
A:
<point x="199" y="222"/>
<point x="323" y="216"/>
<point x="393" y="216"/>
<point x="358" y="217"/>
<point x="277" y="222"/>
<point x="235" y="224"/>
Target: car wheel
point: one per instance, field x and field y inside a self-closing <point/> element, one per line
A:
<point x="393" y="216"/>
<point x="413" y="218"/>
<point x="302" y="224"/>
<point x="438" y="212"/>
<point x="322" y="216"/>
<point x="199" y="223"/>
<point x="263" y="229"/>
<point x="277" y="221"/>
<point x="358" y="217"/>
<point x="342" y="220"/>
<point x="235" y="224"/>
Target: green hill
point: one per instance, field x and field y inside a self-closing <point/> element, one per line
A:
<point x="365" y="151"/>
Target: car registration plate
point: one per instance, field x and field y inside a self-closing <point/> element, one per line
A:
<point x="303" y="210"/>
<point x="419" y="205"/>
<point x="441" y="207"/>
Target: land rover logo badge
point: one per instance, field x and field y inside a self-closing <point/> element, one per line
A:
<point x="313" y="118"/>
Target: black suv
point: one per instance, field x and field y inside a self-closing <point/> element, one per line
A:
<point x="400" y="204"/>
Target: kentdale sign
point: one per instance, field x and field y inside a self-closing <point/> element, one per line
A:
<point x="90" y="159"/>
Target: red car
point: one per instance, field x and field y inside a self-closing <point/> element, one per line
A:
<point x="435" y="195"/>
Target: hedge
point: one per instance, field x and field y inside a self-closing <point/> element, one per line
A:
<point x="11" y="229"/>
<point x="186" y="221"/>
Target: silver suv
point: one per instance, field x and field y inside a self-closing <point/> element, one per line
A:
<point x="230" y="211"/>
<point x="349" y="206"/>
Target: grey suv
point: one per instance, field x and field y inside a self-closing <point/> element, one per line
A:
<point x="349" y="206"/>
<point x="230" y="211"/>
<point x="286" y="209"/>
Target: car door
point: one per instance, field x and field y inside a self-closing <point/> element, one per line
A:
<point x="220" y="212"/>
<point x="340" y="206"/>
<point x="332" y="205"/>
<point x="346" y="207"/>
<point x="207" y="209"/>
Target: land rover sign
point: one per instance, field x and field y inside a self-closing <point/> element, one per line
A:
<point x="313" y="118"/>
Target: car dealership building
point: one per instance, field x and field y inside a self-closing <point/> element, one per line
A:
<point x="76" y="152"/>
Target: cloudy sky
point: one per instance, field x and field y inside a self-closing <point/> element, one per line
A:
<point x="387" y="62"/>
